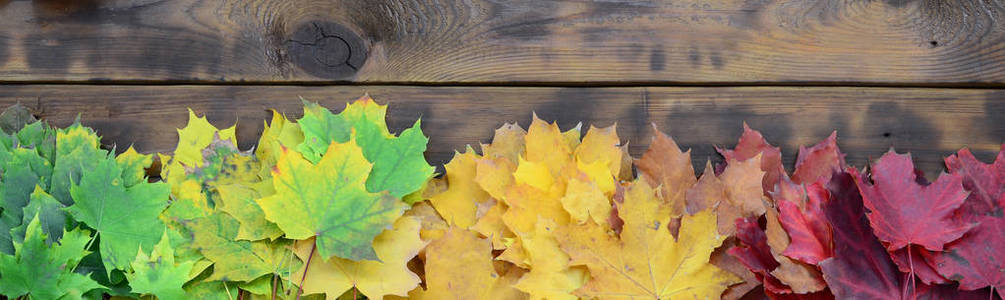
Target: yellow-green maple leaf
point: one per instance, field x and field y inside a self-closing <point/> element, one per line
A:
<point x="234" y="260"/>
<point x="647" y="262"/>
<point x="374" y="279"/>
<point x="329" y="201"/>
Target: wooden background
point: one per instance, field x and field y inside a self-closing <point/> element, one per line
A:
<point x="925" y="76"/>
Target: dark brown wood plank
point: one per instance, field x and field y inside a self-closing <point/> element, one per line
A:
<point x="931" y="123"/>
<point x="895" y="42"/>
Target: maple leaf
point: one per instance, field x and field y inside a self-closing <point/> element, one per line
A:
<point x="985" y="182"/>
<point x="125" y="217"/>
<point x="975" y="260"/>
<point x="601" y="145"/>
<point x="664" y="165"/>
<point x="507" y="142"/>
<point x="459" y="266"/>
<point x="374" y="279"/>
<point x="860" y="267"/>
<point x="458" y="204"/>
<point x="802" y="278"/>
<point x="278" y="133"/>
<point x="239" y="202"/>
<point x="551" y="276"/>
<point x="215" y="237"/>
<point x="736" y="193"/>
<point x="157" y="274"/>
<point x="50" y="215"/>
<point x="904" y="212"/>
<point x="752" y="144"/>
<point x="77" y="150"/>
<point x="22" y="172"/>
<point x="14" y="118"/>
<point x="329" y="201"/>
<point x="756" y="256"/>
<point x="647" y="261"/>
<point x="801" y="214"/>
<point x="399" y="166"/>
<point x="819" y="162"/>
<point x="43" y="270"/>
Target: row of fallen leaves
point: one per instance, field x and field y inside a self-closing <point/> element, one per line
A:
<point x="547" y="214"/>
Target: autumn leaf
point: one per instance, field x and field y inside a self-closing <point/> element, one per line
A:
<point x="976" y="259"/>
<point x="458" y="204"/>
<point x="125" y="217"/>
<point x="736" y="193"/>
<point x="45" y="270"/>
<point x="399" y="166"/>
<point x="818" y="162"/>
<point x="755" y="254"/>
<point x="215" y="237"/>
<point x="239" y="202"/>
<point x="278" y="133"/>
<point x="801" y="214"/>
<point x="752" y="144"/>
<point x="904" y="212"/>
<point x="664" y="165"/>
<point x="459" y="266"/>
<point x="329" y="201"/>
<point x="647" y="261"/>
<point x="157" y="274"/>
<point x="77" y="150"/>
<point x="551" y="276"/>
<point x="802" y="278"/>
<point x="374" y="279"/>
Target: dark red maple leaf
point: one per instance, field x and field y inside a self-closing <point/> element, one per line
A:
<point x="818" y="162"/>
<point x="754" y="253"/>
<point x="750" y="144"/>
<point x="860" y="267"/>
<point x="804" y="221"/>
<point x="978" y="259"/>
<point x="903" y="212"/>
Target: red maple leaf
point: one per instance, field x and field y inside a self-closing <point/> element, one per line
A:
<point x="801" y="214"/>
<point x="818" y="162"/>
<point x="985" y="182"/>
<point x="903" y="212"/>
<point x="750" y="144"/>
<point x="754" y="253"/>
<point x="977" y="259"/>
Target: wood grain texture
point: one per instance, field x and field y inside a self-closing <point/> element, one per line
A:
<point x="922" y="42"/>
<point x="931" y="123"/>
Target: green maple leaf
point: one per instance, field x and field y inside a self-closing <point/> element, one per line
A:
<point x="77" y="149"/>
<point x="399" y="165"/>
<point x="50" y="215"/>
<point x="330" y="202"/>
<point x="239" y="202"/>
<point x="125" y="218"/>
<point x="157" y="274"/>
<point x="23" y="170"/>
<point x="233" y="260"/>
<point x="46" y="271"/>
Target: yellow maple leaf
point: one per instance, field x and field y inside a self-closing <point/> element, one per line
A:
<point x="459" y="266"/>
<point x="647" y="262"/>
<point x="374" y="279"/>
<point x="551" y="277"/>
<point x="507" y="143"/>
<point x="601" y="145"/>
<point x="458" y="204"/>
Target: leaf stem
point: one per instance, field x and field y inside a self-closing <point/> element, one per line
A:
<point x="300" y="288"/>
<point x="274" y="286"/>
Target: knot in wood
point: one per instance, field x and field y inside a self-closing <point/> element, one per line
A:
<point x="327" y="50"/>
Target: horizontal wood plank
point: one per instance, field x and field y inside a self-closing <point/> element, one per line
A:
<point x="894" y="42"/>
<point x="931" y="123"/>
